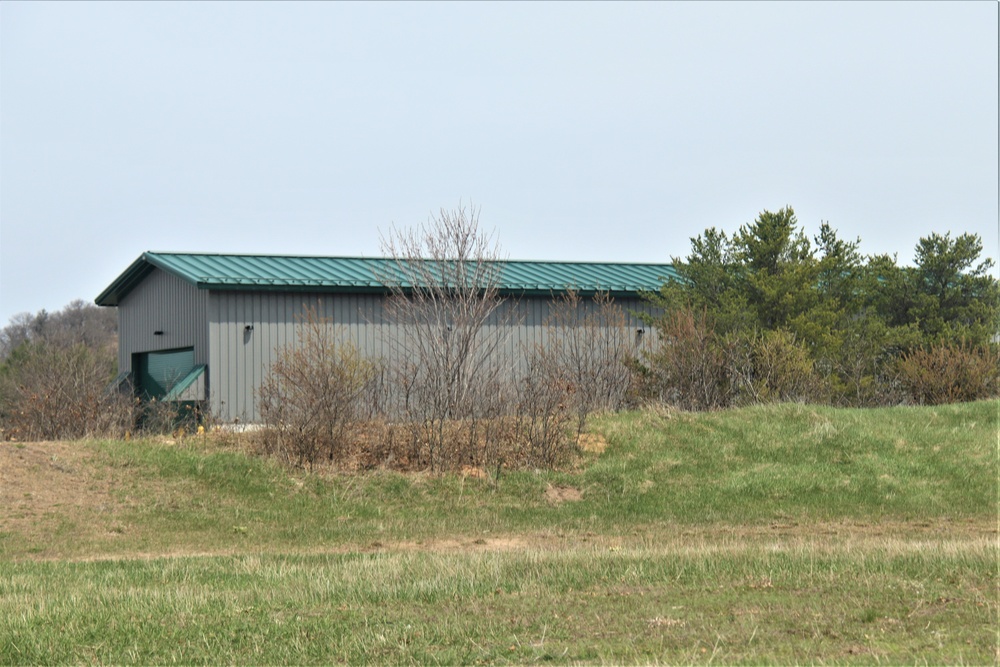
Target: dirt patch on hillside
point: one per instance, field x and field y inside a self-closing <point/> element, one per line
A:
<point x="558" y="494"/>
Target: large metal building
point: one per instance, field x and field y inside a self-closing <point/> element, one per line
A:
<point x="207" y="327"/>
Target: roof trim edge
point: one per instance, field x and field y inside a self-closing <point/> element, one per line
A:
<point x="130" y="278"/>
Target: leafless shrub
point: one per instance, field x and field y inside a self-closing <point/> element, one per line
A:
<point x="400" y="446"/>
<point x="543" y="414"/>
<point x="588" y="352"/>
<point x="310" y="398"/>
<point x="175" y="417"/>
<point x="444" y="280"/>
<point x="688" y="368"/>
<point x="50" y="392"/>
<point x="950" y="373"/>
<point x="376" y="398"/>
<point x="694" y="368"/>
<point x="485" y="441"/>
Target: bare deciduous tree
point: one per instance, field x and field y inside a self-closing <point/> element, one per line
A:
<point x="444" y="279"/>
<point x="78" y="322"/>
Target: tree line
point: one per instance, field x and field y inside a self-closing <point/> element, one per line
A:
<point x="768" y="314"/>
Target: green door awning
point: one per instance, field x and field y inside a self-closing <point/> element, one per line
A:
<point x="191" y="388"/>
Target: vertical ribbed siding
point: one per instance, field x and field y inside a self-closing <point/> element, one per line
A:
<point x="239" y="360"/>
<point x="162" y="302"/>
<point x="244" y="358"/>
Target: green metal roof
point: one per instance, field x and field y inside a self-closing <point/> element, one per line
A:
<point x="361" y="274"/>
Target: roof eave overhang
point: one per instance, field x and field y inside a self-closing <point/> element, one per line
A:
<point x="132" y="276"/>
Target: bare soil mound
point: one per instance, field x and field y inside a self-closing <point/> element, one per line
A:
<point x="558" y="494"/>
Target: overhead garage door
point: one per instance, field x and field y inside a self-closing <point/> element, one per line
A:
<point x="158" y="372"/>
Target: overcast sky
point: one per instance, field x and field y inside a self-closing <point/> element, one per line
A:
<point x="583" y="131"/>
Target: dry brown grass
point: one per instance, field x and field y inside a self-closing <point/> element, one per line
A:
<point x="47" y="484"/>
<point x="592" y="443"/>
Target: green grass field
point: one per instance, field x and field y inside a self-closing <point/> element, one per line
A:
<point x="780" y="534"/>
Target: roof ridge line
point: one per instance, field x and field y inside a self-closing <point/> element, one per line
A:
<point x="392" y="259"/>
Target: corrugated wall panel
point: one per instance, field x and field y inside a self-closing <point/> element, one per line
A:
<point x="243" y="358"/>
<point x="163" y="302"/>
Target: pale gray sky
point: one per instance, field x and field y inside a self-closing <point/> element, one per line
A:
<point x="584" y="131"/>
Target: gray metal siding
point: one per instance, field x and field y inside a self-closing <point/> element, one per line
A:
<point x="243" y="358"/>
<point x="162" y="302"/>
<point x="239" y="360"/>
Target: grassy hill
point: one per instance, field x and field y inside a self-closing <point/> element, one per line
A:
<point x="773" y="534"/>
